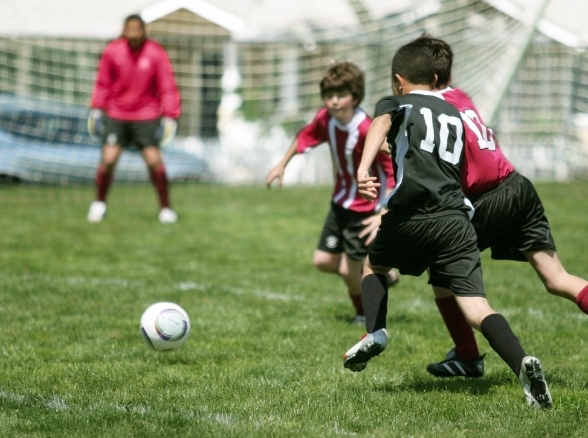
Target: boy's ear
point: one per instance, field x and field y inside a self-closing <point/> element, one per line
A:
<point x="398" y="83"/>
<point x="434" y="83"/>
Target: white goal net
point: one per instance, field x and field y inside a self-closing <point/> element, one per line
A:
<point x="248" y="86"/>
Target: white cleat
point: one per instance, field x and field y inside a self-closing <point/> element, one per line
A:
<point x="97" y="211"/>
<point x="168" y="216"/>
<point x="534" y="384"/>
<point x="370" y="345"/>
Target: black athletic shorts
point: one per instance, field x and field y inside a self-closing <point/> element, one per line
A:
<point x="510" y="220"/>
<point x="340" y="233"/>
<point x="138" y="134"/>
<point x="444" y="242"/>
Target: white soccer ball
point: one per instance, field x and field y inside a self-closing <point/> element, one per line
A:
<point x="165" y="326"/>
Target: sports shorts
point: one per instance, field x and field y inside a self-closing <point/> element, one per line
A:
<point x="340" y="233"/>
<point x="510" y="220"/>
<point x="136" y="134"/>
<point x="444" y="242"/>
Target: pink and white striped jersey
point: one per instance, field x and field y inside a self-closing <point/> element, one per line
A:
<point x="346" y="143"/>
<point x="484" y="165"/>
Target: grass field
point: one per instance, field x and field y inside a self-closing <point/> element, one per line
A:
<point x="268" y="330"/>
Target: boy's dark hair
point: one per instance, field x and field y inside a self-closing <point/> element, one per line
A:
<point x="443" y="55"/>
<point x="415" y="63"/>
<point x="344" y="76"/>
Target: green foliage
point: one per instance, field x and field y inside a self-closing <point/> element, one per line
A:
<point x="269" y="331"/>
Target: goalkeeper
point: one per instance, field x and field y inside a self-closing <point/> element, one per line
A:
<point x="135" y="103"/>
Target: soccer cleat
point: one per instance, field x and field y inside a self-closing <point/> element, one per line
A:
<point x="370" y="345"/>
<point x="167" y="216"/>
<point x="97" y="211"/>
<point x="534" y="384"/>
<point x="453" y="367"/>
<point x="393" y="277"/>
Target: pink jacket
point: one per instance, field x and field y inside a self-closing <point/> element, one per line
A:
<point x="136" y="85"/>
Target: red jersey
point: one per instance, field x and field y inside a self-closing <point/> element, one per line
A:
<point x="346" y="143"/>
<point x="484" y="165"/>
<point x="136" y="85"/>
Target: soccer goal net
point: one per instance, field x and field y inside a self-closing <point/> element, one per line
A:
<point x="248" y="86"/>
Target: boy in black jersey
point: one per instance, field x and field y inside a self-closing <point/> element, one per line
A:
<point x="427" y="225"/>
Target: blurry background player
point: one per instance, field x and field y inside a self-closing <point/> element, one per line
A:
<point x="509" y="219"/>
<point x="352" y="221"/>
<point x="135" y="102"/>
<point x="427" y="225"/>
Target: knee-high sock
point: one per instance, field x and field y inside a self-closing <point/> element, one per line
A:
<point x="582" y="300"/>
<point x="103" y="181"/>
<point x="374" y="296"/>
<point x="356" y="300"/>
<point x="459" y="329"/>
<point x="502" y="339"/>
<point x="159" y="179"/>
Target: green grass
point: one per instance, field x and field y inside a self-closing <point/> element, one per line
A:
<point x="268" y="330"/>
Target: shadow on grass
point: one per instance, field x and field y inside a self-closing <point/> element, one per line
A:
<point x="454" y="385"/>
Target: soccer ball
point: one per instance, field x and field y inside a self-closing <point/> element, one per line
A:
<point x="165" y="326"/>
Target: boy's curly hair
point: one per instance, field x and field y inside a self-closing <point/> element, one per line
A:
<point x="344" y="76"/>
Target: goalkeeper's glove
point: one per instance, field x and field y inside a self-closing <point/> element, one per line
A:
<point x="167" y="131"/>
<point x="96" y="122"/>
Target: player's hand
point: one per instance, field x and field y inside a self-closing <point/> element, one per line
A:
<point x="277" y="173"/>
<point x="167" y="132"/>
<point x="372" y="224"/>
<point x="367" y="186"/>
<point x="96" y="122"/>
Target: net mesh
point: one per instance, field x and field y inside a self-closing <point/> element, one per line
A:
<point x="244" y="97"/>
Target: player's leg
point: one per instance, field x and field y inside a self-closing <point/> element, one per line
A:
<point x="390" y="246"/>
<point x="114" y="136"/>
<point x="350" y="271"/>
<point x="557" y="280"/>
<point x="104" y="175"/>
<point x="375" y="301"/>
<point x="464" y="359"/>
<point x="145" y="135"/>
<point x="502" y="339"/>
<point x="156" y="168"/>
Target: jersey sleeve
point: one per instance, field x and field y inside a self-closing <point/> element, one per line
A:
<point x="314" y="133"/>
<point x="386" y="105"/>
<point x="168" y="90"/>
<point x="104" y="80"/>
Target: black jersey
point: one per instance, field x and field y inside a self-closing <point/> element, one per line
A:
<point x="426" y="142"/>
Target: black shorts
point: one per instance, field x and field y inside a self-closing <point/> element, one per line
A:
<point x="138" y="134"/>
<point x="444" y="242"/>
<point x="340" y="233"/>
<point x="510" y="220"/>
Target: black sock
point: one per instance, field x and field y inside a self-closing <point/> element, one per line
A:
<point x="502" y="340"/>
<point x="374" y="297"/>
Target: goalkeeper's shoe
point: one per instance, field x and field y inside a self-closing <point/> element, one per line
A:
<point x="97" y="211"/>
<point x="167" y="216"/>
<point x="534" y="384"/>
<point x="452" y="366"/>
<point x="370" y="345"/>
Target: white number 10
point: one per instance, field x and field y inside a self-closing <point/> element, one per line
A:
<point x="428" y="144"/>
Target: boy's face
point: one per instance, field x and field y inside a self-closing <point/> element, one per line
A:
<point x="340" y="105"/>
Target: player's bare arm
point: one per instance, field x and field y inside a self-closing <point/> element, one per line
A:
<point x="376" y="136"/>
<point x="278" y="171"/>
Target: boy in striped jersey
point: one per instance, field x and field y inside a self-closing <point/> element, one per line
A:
<point x="352" y="221"/>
